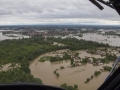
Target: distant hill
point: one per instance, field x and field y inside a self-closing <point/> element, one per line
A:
<point x="61" y="26"/>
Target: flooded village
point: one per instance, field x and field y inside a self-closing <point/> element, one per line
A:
<point x="60" y="44"/>
<point x="81" y="67"/>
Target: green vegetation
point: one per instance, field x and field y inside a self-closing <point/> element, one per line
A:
<point x="45" y="58"/>
<point x="110" y="57"/>
<point x="67" y="87"/>
<point x="80" y="35"/>
<point x="54" y="59"/>
<point x="91" y="51"/>
<point x="92" y="77"/>
<point x="107" y="68"/>
<point x="97" y="73"/>
<point x="12" y="65"/>
<point x="88" y="79"/>
<point x="55" y="72"/>
<point x="22" y="51"/>
<point x="17" y="75"/>
<point x="84" y="60"/>
<point x="66" y="56"/>
<point x="72" y="61"/>
<point x="103" y="60"/>
<point x="62" y="67"/>
<point x="76" y="54"/>
<point x="94" y="60"/>
<point x="75" y="44"/>
<point x="57" y="58"/>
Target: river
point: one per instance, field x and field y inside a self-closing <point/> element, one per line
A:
<point x="78" y="75"/>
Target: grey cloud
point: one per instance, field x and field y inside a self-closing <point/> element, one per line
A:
<point x="32" y="10"/>
<point x="50" y="10"/>
<point x="5" y="12"/>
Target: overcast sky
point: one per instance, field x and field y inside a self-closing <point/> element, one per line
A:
<point x="15" y="12"/>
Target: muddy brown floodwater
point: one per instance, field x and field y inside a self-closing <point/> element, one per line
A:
<point x="78" y="75"/>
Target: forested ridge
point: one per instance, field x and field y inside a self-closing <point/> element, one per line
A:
<point x="23" y="51"/>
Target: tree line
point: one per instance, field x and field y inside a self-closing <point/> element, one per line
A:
<point x="75" y="44"/>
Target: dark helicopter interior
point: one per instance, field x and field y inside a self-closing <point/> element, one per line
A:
<point x="112" y="82"/>
<point x="114" y="4"/>
<point x="26" y="86"/>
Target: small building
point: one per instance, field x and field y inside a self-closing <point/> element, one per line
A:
<point x="100" y="64"/>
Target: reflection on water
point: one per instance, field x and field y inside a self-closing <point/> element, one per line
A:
<point x="71" y="76"/>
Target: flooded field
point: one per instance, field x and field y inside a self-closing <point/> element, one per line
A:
<point x="111" y="40"/>
<point x="77" y="75"/>
<point x="2" y="37"/>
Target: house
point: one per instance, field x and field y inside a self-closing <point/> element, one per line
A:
<point x="103" y="53"/>
<point x="100" y="64"/>
<point x="101" y="69"/>
<point x="90" y="61"/>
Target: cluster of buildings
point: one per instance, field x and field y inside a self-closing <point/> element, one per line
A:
<point x="77" y="60"/>
<point x="103" y="53"/>
<point x="34" y="32"/>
